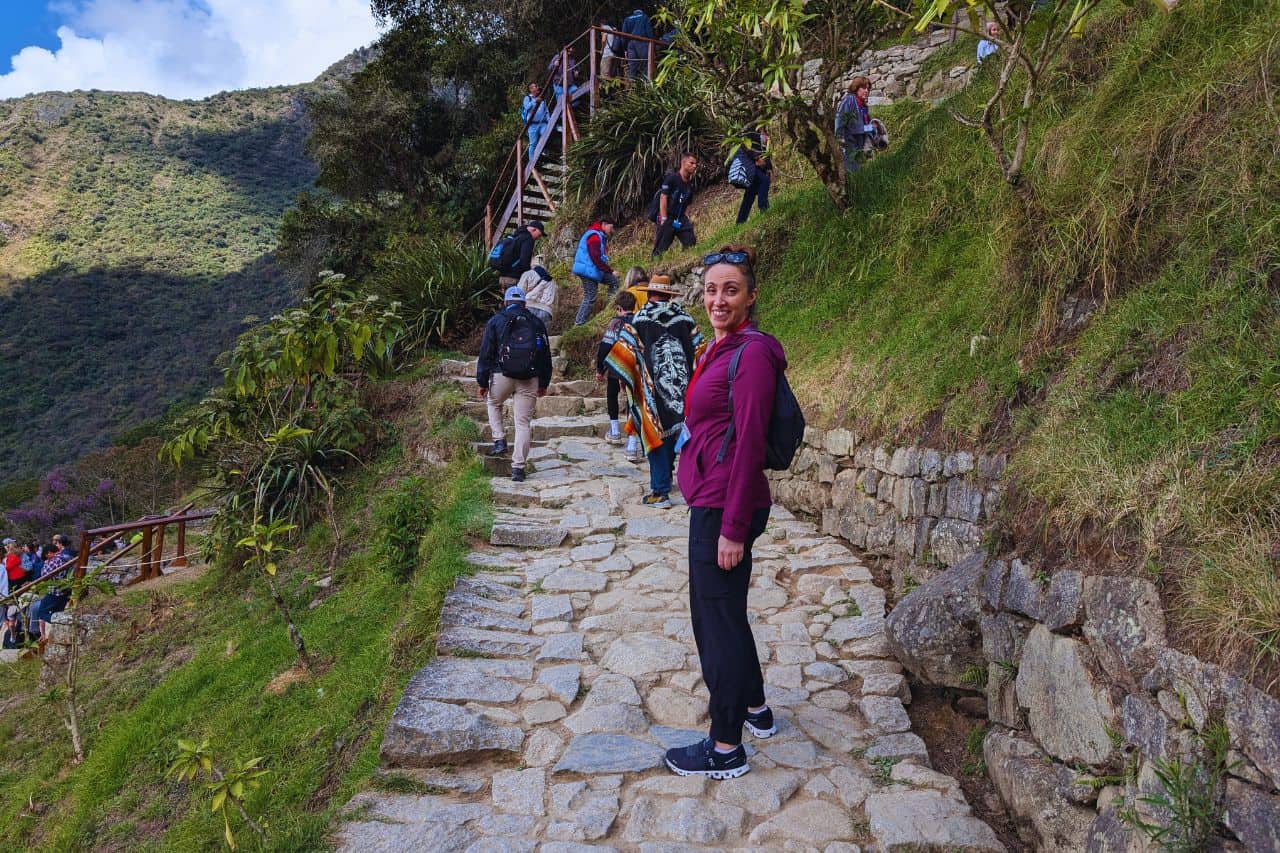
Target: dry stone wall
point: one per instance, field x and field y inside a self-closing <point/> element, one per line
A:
<point x="1086" y="699"/>
<point x="920" y="504"/>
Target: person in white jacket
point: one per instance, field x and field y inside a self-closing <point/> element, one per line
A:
<point x="540" y="291"/>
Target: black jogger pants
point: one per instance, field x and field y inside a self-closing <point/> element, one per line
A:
<point x="718" y="609"/>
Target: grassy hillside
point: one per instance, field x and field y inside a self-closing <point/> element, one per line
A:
<point x="1144" y="436"/>
<point x="206" y="656"/>
<point x="135" y="235"/>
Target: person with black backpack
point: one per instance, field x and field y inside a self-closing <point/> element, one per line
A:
<point x="741" y="419"/>
<point x="751" y="170"/>
<point x="512" y="257"/>
<point x="515" y="361"/>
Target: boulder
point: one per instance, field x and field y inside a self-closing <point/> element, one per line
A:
<point x="1124" y="625"/>
<point x="423" y="733"/>
<point x="934" y="630"/>
<point x="1252" y="816"/>
<point x="1036" y="794"/>
<point x="1069" y="707"/>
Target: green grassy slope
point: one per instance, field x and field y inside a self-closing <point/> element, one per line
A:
<point x="198" y="658"/>
<point x="135" y="234"/>
<point x="1145" y="439"/>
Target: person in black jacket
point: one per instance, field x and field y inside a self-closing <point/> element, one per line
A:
<point x="755" y="155"/>
<point x="515" y="359"/>
<point x="673" y="199"/>
<point x="520" y="252"/>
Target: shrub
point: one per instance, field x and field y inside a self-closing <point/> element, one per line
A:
<point x="621" y="158"/>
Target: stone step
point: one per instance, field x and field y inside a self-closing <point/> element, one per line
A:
<point x="526" y="532"/>
<point x="584" y="426"/>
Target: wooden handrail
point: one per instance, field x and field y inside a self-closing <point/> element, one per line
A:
<point x="563" y="115"/>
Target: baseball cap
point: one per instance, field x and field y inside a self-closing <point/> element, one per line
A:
<point x="9" y="540"/>
<point x="515" y="293"/>
<point x="536" y="223"/>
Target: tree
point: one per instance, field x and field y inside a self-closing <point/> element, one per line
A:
<point x="226" y="787"/>
<point x="1033" y="33"/>
<point x="780" y="59"/>
<point x="78" y="588"/>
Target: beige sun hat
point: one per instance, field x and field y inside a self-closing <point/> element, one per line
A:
<point x="661" y="284"/>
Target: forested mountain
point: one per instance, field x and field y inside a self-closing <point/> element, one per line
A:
<point x="135" y="236"/>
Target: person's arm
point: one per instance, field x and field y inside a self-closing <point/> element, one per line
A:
<point x="484" y="362"/>
<point x="595" y="251"/>
<point x="525" y="259"/>
<point x="543" y="360"/>
<point x="753" y="390"/>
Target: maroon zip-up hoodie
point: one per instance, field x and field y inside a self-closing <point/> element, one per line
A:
<point x="737" y="485"/>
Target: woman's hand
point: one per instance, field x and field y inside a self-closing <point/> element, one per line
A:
<point x="728" y="553"/>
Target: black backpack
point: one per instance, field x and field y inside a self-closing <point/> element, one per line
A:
<point x="518" y="346"/>
<point x="785" y="430"/>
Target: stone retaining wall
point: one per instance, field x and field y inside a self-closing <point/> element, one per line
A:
<point x="919" y="504"/>
<point x="1085" y="699"/>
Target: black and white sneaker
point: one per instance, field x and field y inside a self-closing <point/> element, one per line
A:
<point x="761" y="723"/>
<point x="701" y="759"/>
<point x="499" y="447"/>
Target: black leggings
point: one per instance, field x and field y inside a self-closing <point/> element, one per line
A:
<point x="613" y="389"/>
<point x="718" y="609"/>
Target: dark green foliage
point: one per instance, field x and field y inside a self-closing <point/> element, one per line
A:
<point x="443" y="289"/>
<point x="624" y="151"/>
<point x="403" y="515"/>
<point x="84" y="354"/>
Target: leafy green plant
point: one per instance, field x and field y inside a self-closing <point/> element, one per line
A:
<point x="1189" y="801"/>
<point x="619" y="161"/>
<point x="882" y="767"/>
<point x="225" y="788"/>
<point x="403" y="516"/>
<point x="974" y="675"/>
<point x="442" y="288"/>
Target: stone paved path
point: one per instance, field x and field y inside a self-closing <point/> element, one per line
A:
<point x="567" y="666"/>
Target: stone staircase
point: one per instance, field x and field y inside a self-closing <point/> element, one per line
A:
<point x="566" y="666"/>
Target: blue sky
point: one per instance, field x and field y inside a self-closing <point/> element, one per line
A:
<point x="26" y="22"/>
<point x="176" y="48"/>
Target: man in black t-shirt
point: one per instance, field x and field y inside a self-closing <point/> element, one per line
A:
<point x="673" y="199"/>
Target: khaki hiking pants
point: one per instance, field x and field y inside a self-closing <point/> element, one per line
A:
<point x="526" y="397"/>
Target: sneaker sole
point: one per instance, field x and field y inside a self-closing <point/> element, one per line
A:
<point x="732" y="773"/>
<point x="761" y="733"/>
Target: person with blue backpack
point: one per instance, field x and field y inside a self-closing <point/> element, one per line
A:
<point x="512" y="256"/>
<point x="751" y="170"/>
<point x="741" y="419"/>
<point x="514" y="361"/>
<point x="591" y="265"/>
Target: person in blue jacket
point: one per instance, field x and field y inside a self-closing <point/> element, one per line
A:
<point x="755" y="156"/>
<point x="533" y="111"/>
<point x="591" y="265"/>
<point x="637" y="24"/>
<point x="853" y="122"/>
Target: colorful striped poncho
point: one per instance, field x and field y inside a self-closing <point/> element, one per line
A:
<point x="653" y="357"/>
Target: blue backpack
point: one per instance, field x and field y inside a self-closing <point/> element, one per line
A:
<point x="498" y="254"/>
<point x="785" y="430"/>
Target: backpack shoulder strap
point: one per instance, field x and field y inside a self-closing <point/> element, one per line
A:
<point x="733" y="371"/>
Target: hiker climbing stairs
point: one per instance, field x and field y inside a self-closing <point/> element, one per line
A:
<point x="566" y="666"/>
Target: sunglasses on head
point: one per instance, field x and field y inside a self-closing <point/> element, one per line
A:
<point x="735" y="258"/>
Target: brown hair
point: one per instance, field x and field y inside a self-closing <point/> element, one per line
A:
<point x="857" y="83"/>
<point x="626" y="300"/>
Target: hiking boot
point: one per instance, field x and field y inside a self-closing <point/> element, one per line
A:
<point x="761" y="723"/>
<point x="660" y="501"/>
<point x="701" y="759"/>
<point x="499" y="447"/>
<point x="614" y="438"/>
<point x="517" y="476"/>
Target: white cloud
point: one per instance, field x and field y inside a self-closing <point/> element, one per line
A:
<point x="190" y="48"/>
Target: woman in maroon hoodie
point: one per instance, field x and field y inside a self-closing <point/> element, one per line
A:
<point x="722" y="480"/>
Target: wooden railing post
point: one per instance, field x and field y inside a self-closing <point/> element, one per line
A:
<point x="82" y="559"/>
<point x="181" y="558"/>
<point x="519" y="184"/>
<point x="144" y="559"/>
<point x="595" y="72"/>
<point x="159" y="551"/>
<point x="652" y="60"/>
<point x="567" y="100"/>
<point x="488" y="225"/>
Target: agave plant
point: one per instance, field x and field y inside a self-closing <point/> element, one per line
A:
<point x="442" y="288"/>
<point x="637" y="137"/>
